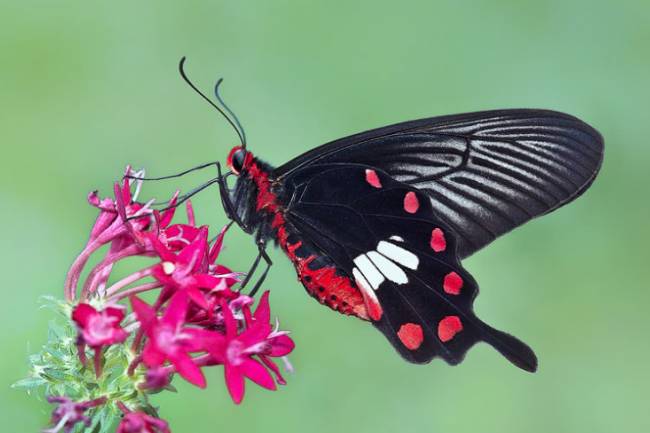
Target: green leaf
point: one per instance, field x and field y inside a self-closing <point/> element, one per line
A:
<point x="29" y="383"/>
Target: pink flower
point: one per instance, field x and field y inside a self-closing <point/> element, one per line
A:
<point x="196" y="322"/>
<point x="169" y="340"/>
<point x="181" y="271"/>
<point x="68" y="414"/>
<point x="192" y="270"/>
<point x="236" y="350"/>
<point x="175" y="236"/>
<point x="140" y="422"/>
<point x="99" y="328"/>
<point x="110" y="227"/>
<point x="156" y="378"/>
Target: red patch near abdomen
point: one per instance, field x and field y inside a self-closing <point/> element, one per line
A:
<point x="324" y="284"/>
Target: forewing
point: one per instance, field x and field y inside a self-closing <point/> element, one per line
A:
<point x="485" y="173"/>
<point x="384" y="235"/>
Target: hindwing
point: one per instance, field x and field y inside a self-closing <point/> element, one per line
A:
<point x="386" y="236"/>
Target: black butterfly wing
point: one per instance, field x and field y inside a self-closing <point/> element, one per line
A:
<point x="485" y="173"/>
<point x="384" y="235"/>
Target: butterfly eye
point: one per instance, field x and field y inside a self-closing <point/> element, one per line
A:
<point x="236" y="160"/>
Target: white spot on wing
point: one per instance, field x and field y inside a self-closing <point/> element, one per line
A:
<point x="369" y="271"/>
<point x="396" y="238"/>
<point x="388" y="268"/>
<point x="398" y="254"/>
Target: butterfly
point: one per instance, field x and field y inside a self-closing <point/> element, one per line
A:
<point x="376" y="224"/>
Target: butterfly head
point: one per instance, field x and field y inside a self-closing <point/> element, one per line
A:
<point x="239" y="159"/>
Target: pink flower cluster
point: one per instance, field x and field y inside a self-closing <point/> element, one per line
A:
<point x="197" y="319"/>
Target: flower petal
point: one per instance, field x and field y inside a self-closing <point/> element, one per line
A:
<point x="82" y="313"/>
<point x="206" y="281"/>
<point x="229" y="320"/>
<point x="218" y="244"/>
<point x="234" y="382"/>
<point x="163" y="252"/>
<point x="197" y="297"/>
<point x="188" y="369"/>
<point x="180" y="235"/>
<point x="168" y="214"/>
<point x="263" y="311"/>
<point x="118" y="336"/>
<point x="281" y="345"/>
<point x="176" y="310"/>
<point x="257" y="333"/>
<point x="223" y="272"/>
<point x="258" y="374"/>
<point x="274" y="368"/>
<point x="152" y="356"/>
<point x="144" y="312"/>
<point x="194" y="253"/>
<point x="116" y="313"/>
<point x="202" y="339"/>
<point x="190" y="213"/>
<point x="126" y="190"/>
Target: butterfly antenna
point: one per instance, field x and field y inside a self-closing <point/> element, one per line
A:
<point x="232" y="114"/>
<point x="223" y="113"/>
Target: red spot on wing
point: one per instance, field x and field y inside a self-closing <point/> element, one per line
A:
<point x="411" y="203"/>
<point x="411" y="335"/>
<point x="452" y="283"/>
<point x="449" y="327"/>
<point x="438" y="241"/>
<point x="372" y="178"/>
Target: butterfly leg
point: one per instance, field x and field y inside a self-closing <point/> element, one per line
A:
<point x="250" y="272"/>
<point x="228" y="205"/>
<point x="261" y="255"/>
<point x="267" y="259"/>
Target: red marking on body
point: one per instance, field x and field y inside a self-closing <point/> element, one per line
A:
<point x="449" y="327"/>
<point x="372" y="178"/>
<point x="336" y="291"/>
<point x="411" y="203"/>
<point x="452" y="283"/>
<point x="229" y="157"/>
<point x="248" y="159"/>
<point x="266" y="199"/>
<point x="438" y="241"/>
<point x="411" y="335"/>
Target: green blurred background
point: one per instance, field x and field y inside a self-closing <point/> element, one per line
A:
<point x="88" y="87"/>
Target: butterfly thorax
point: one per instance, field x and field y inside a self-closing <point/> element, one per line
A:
<point x="260" y="203"/>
